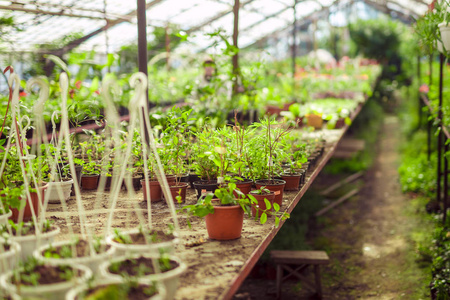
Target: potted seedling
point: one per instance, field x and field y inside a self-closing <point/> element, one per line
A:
<point x="37" y="279"/>
<point x="147" y="268"/>
<point x="140" y="240"/>
<point x="60" y="181"/>
<point x="91" y="167"/>
<point x="127" y="289"/>
<point x="29" y="237"/>
<point x="223" y="212"/>
<point x="268" y="156"/>
<point x="263" y="205"/>
<point x="206" y="166"/>
<point x="76" y="252"/>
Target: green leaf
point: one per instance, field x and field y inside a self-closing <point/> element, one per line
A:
<point x="268" y="205"/>
<point x="276" y="206"/>
<point x="277" y="221"/>
<point x="263" y="218"/>
<point x="348" y="121"/>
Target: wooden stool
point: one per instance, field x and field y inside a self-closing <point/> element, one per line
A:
<point x="301" y="259"/>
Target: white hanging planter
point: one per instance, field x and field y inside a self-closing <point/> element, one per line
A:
<point x="445" y="35"/>
<point x="92" y="262"/>
<point x="75" y="292"/>
<point x="9" y="258"/>
<point x="153" y="248"/>
<point x="54" y="291"/>
<point x="169" y="279"/>
<point x="4" y="218"/>
<point x="29" y="243"/>
<point x="52" y="192"/>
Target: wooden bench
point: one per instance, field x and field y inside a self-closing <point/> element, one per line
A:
<point x="301" y="260"/>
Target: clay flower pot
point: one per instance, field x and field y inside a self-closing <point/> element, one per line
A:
<point x="89" y="182"/>
<point x="27" y="215"/>
<point x="257" y="209"/>
<point x="292" y="181"/>
<point x="155" y="190"/>
<point x="178" y="190"/>
<point x="225" y="223"/>
<point x="276" y="186"/>
<point x="244" y="186"/>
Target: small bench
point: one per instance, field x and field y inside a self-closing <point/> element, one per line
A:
<point x="301" y="259"/>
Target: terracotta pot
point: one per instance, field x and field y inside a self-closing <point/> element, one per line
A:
<point x="155" y="190"/>
<point x="78" y="176"/>
<point x="339" y="123"/>
<point x="276" y="186"/>
<point x="27" y="215"/>
<point x="299" y="121"/>
<point x="178" y="190"/>
<point x="225" y="223"/>
<point x="108" y="181"/>
<point x="292" y="181"/>
<point x="244" y="186"/>
<point x="171" y="178"/>
<point x="205" y="186"/>
<point x="261" y="206"/>
<point x="89" y="182"/>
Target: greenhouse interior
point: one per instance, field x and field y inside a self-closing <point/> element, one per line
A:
<point x="224" y="149"/>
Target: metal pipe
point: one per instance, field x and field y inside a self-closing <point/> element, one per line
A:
<point x="439" y="162"/>
<point x="445" y="184"/>
<point x="294" y="39"/>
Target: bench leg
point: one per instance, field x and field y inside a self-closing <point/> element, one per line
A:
<point x="318" y="284"/>
<point x="279" y="279"/>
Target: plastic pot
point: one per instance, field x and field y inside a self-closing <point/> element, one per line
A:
<point x="314" y="120"/>
<point x="292" y="181"/>
<point x="153" y="248"/>
<point x="169" y="279"/>
<point x="155" y="190"/>
<point x="91" y="262"/>
<point x="244" y="186"/>
<point x="445" y="35"/>
<point x="276" y="186"/>
<point x="89" y="182"/>
<point x="204" y="187"/>
<point x="225" y="223"/>
<point x="52" y="291"/>
<point x="29" y="243"/>
<point x="9" y="259"/>
<point x="76" y="292"/>
<point x="178" y="190"/>
<point x="54" y="188"/>
<point x="257" y="209"/>
<point x="27" y="214"/>
<point x="4" y="218"/>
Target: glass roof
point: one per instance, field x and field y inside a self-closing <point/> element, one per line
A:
<point x="43" y="21"/>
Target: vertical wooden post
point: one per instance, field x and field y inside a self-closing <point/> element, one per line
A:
<point x="420" y="99"/>
<point x="235" y="59"/>
<point x="444" y="220"/>
<point x="142" y="38"/>
<point x="279" y="280"/>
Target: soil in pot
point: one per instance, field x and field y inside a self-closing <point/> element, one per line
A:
<point x="261" y="203"/>
<point x="178" y="190"/>
<point x="121" y="291"/>
<point x="225" y="223"/>
<point x="30" y="229"/>
<point x="292" y="181"/>
<point x="27" y="214"/>
<point x="141" y="266"/>
<point x="82" y="249"/>
<point x="276" y="186"/>
<point x="89" y="182"/>
<point x="46" y="274"/>
<point x="155" y="190"/>
<point x="138" y="238"/>
<point x="205" y="186"/>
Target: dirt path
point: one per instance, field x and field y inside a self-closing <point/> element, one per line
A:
<point x="368" y="238"/>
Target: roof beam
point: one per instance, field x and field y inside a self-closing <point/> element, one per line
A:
<point x="62" y="12"/>
<point x="108" y="25"/>
<point x="216" y="17"/>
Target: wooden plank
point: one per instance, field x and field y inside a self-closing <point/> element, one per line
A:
<point x="337" y="202"/>
<point x="300" y="257"/>
<point x="351" y="144"/>
<point x="342" y="182"/>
